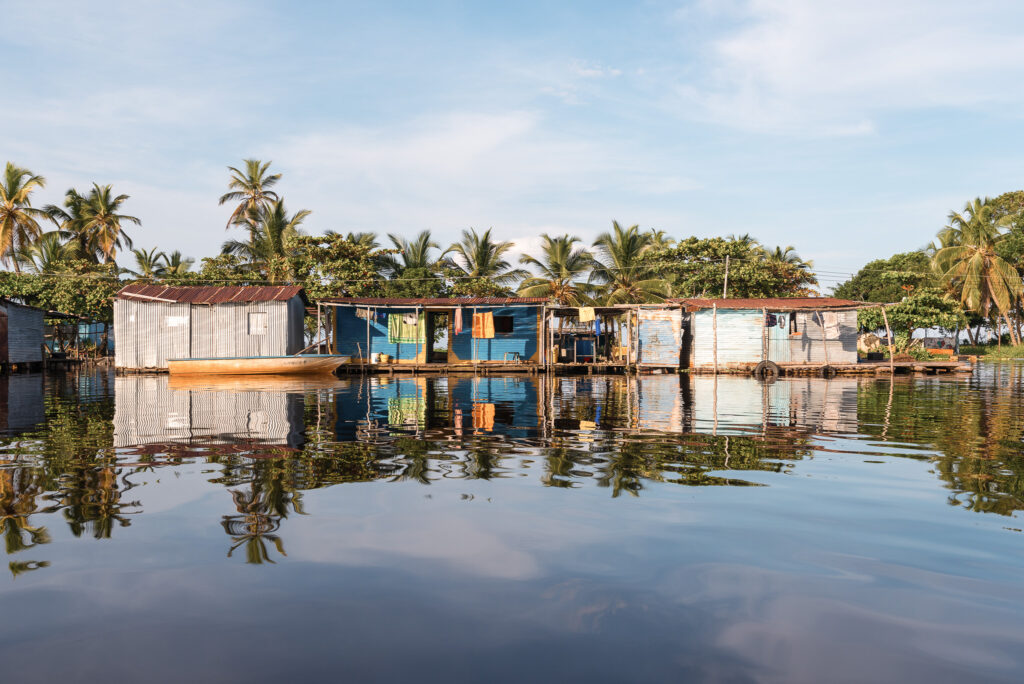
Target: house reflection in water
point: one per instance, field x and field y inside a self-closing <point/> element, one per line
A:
<point x="524" y="406"/>
<point x="21" y="401"/>
<point x="152" y="410"/>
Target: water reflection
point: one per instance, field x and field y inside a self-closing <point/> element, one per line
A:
<point x="797" y="527"/>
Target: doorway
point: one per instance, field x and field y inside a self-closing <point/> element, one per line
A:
<point x="437" y="336"/>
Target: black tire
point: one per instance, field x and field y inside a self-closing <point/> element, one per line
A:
<point x="767" y="370"/>
<point x="828" y="371"/>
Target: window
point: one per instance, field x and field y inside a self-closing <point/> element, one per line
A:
<point x="258" y="323"/>
<point x="502" y="324"/>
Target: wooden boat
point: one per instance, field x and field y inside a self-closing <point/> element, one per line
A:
<point x="257" y="365"/>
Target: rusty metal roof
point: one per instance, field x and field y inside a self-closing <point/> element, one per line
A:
<point x="434" y="301"/>
<point x="771" y="303"/>
<point x="210" y="294"/>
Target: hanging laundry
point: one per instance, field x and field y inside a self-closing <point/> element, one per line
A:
<point x="586" y="314"/>
<point x="770" y="321"/>
<point x="457" y="322"/>
<point x="410" y="318"/>
<point x="401" y="332"/>
<point x="597" y="327"/>
<point x="382" y="317"/>
<point x="483" y="325"/>
<point x="831" y="321"/>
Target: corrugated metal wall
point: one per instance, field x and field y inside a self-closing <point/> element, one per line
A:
<point x="147" y="334"/>
<point x="21" y="401"/>
<point x="24" y="334"/>
<point x="806" y="345"/>
<point x="660" y="334"/>
<point x="147" y="411"/>
<point x="739" y="337"/>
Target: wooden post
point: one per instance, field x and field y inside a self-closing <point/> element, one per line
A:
<point x="824" y="342"/>
<point x="316" y="338"/>
<point x="725" y="285"/>
<point x="888" y="335"/>
<point x="714" y="334"/>
<point x="368" y="314"/>
<point x="629" y="336"/>
<point x="764" y="334"/>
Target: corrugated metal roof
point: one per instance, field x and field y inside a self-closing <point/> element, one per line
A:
<point x="210" y="294"/>
<point x="435" y="301"/>
<point x="771" y="303"/>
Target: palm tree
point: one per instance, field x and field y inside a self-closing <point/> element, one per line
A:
<point x="48" y="254"/>
<point x="251" y="189"/>
<point x="150" y="264"/>
<point x="478" y="256"/>
<point x="365" y="239"/>
<point x="265" y="251"/>
<point x="620" y="270"/>
<point x="101" y="222"/>
<point x="411" y="255"/>
<point x="70" y="222"/>
<point x="176" y="264"/>
<point x="660" y="239"/>
<point x="561" y="268"/>
<point x="982" y="281"/>
<point x="787" y="255"/>
<point x="18" y="224"/>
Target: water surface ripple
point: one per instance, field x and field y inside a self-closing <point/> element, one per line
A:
<point x="598" y="529"/>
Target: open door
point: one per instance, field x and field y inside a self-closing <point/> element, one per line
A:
<point x="437" y="336"/>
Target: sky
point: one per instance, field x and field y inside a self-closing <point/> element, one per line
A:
<point x="848" y="130"/>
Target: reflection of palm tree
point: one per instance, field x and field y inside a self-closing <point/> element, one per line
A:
<point x="18" y="492"/>
<point x="260" y="511"/>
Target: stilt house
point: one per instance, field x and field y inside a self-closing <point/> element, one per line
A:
<point x="737" y="334"/>
<point x="21" y="334"/>
<point x="154" y="323"/>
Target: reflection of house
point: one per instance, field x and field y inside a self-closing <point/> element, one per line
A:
<point x="478" y="330"/>
<point x="725" y="404"/>
<point x="154" y="323"/>
<point x="21" y="401"/>
<point x="148" y="411"/>
<point x="739" y="333"/>
<point x="21" y="334"/>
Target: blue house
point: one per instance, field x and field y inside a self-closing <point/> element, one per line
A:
<point x="448" y="331"/>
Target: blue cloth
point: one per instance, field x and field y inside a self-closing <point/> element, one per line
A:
<point x="597" y="326"/>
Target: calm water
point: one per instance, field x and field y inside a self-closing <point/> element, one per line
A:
<point x="509" y="529"/>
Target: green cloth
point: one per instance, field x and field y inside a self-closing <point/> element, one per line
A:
<point x="407" y="411"/>
<point x="400" y="332"/>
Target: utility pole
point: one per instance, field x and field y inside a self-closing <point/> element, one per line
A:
<point x="725" y="285"/>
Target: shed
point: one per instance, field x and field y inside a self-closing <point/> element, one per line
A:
<point x="737" y="334"/>
<point x="154" y="323"/>
<point x="453" y="331"/>
<point x="21" y="333"/>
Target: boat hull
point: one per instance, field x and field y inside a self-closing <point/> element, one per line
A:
<point x="264" y="365"/>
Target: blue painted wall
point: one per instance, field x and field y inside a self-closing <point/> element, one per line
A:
<point x="523" y="338"/>
<point x="351" y="331"/>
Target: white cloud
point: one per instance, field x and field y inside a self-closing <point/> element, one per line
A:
<point x="814" y="67"/>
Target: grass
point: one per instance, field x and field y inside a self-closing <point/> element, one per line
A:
<point x="992" y="352"/>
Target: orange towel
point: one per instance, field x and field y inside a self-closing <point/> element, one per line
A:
<point x="483" y="325"/>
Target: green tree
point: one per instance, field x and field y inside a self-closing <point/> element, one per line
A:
<point x="149" y="264"/>
<point x="269" y="233"/>
<point x="889" y="280"/>
<point x="18" y="218"/>
<point x="479" y="265"/>
<point x="251" y="188"/>
<point x="620" y="270"/>
<point x="561" y="271"/>
<point x="788" y="255"/>
<point x="923" y="309"/>
<point x="970" y="267"/>
<point x="48" y="254"/>
<point x="332" y="266"/>
<point x="101" y="221"/>
<point x="176" y="265"/>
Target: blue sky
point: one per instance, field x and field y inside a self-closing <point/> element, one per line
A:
<point x="846" y="129"/>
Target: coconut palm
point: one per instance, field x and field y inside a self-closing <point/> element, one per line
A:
<point x="100" y="222"/>
<point x="251" y="189"/>
<point x="660" y="239"/>
<point x="18" y="218"/>
<point x="561" y="267"/>
<point x="47" y="254"/>
<point x="967" y="262"/>
<point x="175" y="264"/>
<point x="149" y="263"/>
<point x="411" y="255"/>
<point x="69" y="222"/>
<point x="787" y="255"/>
<point x="619" y="268"/>
<point x="265" y="251"/>
<point x="476" y="255"/>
